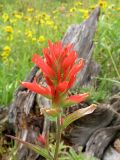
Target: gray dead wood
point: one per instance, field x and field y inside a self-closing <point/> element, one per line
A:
<point x="98" y="131"/>
<point x="81" y="36"/>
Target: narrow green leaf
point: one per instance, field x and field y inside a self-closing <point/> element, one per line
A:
<point x="78" y="114"/>
<point x="42" y="151"/>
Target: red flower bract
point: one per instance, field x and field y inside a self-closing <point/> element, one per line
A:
<point x="77" y="98"/>
<point x="41" y="139"/>
<point x="36" y="88"/>
<point x="59" y="68"/>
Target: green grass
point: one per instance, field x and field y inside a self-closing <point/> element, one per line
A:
<point x="51" y="19"/>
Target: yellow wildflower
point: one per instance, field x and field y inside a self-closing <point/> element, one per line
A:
<point x="93" y="6"/>
<point x="18" y="16"/>
<point x="117" y="9"/>
<point x="72" y="9"/>
<point x="30" y="10"/>
<point x="28" y="18"/>
<point x="82" y="10"/>
<point x="34" y="39"/>
<point x="103" y="4"/>
<point x="41" y="39"/>
<point x="50" y="23"/>
<point x="78" y="4"/>
<point x="8" y="29"/>
<point x="5" y="17"/>
<point x="85" y="13"/>
<point x="45" y="15"/>
<point x="6" y="53"/>
<point x="42" y="21"/>
<point x="29" y="34"/>
<point x="7" y="49"/>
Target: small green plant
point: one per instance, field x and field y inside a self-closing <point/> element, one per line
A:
<point x="72" y="155"/>
<point x="68" y="153"/>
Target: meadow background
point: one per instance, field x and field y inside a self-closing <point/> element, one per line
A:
<point x="27" y="25"/>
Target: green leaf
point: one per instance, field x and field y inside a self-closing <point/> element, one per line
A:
<point x="78" y="114"/>
<point x="42" y="151"/>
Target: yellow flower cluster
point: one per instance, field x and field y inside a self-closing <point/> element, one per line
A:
<point x="78" y="8"/>
<point x="29" y="34"/>
<point x="5" y="17"/>
<point x="73" y="9"/>
<point x="103" y="4"/>
<point x="78" y="4"/>
<point x="41" y="39"/>
<point x="117" y="9"/>
<point x="7" y="49"/>
<point x="85" y="13"/>
<point x="8" y="29"/>
<point x="44" y="19"/>
<point x="33" y="27"/>
<point x="30" y="10"/>
<point x="6" y="52"/>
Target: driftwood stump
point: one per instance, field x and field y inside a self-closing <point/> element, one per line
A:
<point x="94" y="132"/>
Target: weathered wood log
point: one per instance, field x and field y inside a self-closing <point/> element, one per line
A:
<point x="95" y="132"/>
<point x="24" y="112"/>
<point x="81" y="36"/>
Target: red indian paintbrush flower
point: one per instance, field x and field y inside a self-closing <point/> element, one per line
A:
<point x="41" y="139"/>
<point x="60" y="69"/>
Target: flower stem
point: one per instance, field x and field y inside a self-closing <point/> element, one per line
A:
<point x="58" y="138"/>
